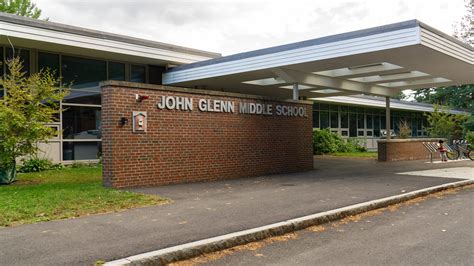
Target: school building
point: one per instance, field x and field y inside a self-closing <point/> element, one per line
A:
<point x="146" y="93"/>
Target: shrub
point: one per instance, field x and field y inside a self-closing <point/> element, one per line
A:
<point x="35" y="165"/>
<point x="470" y="138"/>
<point x="325" y="141"/>
<point x="404" y="130"/>
<point x="445" y="125"/>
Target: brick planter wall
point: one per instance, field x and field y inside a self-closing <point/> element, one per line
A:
<point x="403" y="150"/>
<point x="188" y="146"/>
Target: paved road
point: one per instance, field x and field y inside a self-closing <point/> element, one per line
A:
<point x="204" y="210"/>
<point x="434" y="232"/>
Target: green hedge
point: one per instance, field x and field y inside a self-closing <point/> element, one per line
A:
<point x="325" y="141"/>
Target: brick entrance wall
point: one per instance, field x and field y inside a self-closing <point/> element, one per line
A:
<point x="189" y="146"/>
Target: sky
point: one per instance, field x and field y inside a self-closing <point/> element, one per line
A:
<point x="235" y="26"/>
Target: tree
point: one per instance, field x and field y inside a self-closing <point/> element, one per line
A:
<point x="442" y="124"/>
<point x="28" y="104"/>
<point x="23" y="8"/>
<point x="464" y="29"/>
<point x="455" y="96"/>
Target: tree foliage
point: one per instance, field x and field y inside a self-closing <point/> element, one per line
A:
<point x="442" y="124"/>
<point x="463" y="30"/>
<point x="455" y="96"/>
<point x="28" y="104"/>
<point x="23" y="8"/>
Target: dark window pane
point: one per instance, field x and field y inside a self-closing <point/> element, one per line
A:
<point x="83" y="73"/>
<point x="376" y="122"/>
<point x="369" y="121"/>
<point x="137" y="74"/>
<point x="324" y="120"/>
<point x="316" y="119"/>
<point x="334" y="108"/>
<point x="360" y="121"/>
<point x="81" y="122"/>
<point x="344" y="120"/>
<point x="49" y="61"/>
<point x="24" y="57"/>
<point x="84" y="97"/>
<point x="352" y="125"/>
<point x="82" y="150"/>
<point x="344" y="108"/>
<point x="155" y="74"/>
<point x="334" y="120"/>
<point x="315" y="106"/>
<point x="116" y="71"/>
<point x="383" y="122"/>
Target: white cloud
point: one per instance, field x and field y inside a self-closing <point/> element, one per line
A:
<point x="237" y="26"/>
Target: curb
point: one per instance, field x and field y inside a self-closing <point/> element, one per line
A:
<point x="194" y="249"/>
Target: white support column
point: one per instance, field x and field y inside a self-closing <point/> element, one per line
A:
<point x="296" y="94"/>
<point x="387" y="117"/>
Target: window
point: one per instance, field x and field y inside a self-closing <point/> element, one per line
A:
<point x="334" y="120"/>
<point x="377" y="126"/>
<point x="324" y="120"/>
<point x="84" y="74"/>
<point x="80" y="122"/>
<point x="138" y="74"/>
<point x="352" y="125"/>
<point x="116" y="71"/>
<point x="49" y="62"/>
<point x="360" y="121"/>
<point x="316" y="119"/>
<point x="344" y="120"/>
<point x="82" y="150"/>
<point x="83" y="97"/>
<point x="369" y="122"/>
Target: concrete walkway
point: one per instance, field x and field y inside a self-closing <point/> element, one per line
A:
<point x="204" y="210"/>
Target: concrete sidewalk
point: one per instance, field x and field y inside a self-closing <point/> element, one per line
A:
<point x="204" y="210"/>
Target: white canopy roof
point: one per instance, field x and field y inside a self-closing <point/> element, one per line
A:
<point x="378" y="61"/>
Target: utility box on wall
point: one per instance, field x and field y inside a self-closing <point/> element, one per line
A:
<point x="196" y="135"/>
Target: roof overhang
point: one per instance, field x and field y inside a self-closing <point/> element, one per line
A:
<point x="378" y="61"/>
<point x="55" y="37"/>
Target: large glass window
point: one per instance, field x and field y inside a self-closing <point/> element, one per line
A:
<point x="316" y="119"/>
<point x="324" y="120"/>
<point x="334" y="120"/>
<point x="116" y="71"/>
<point x="80" y="122"/>
<point x="352" y="125"/>
<point x="81" y="73"/>
<point x="82" y="150"/>
<point x="138" y="74"/>
<point x="49" y="62"/>
<point x="377" y="126"/>
<point x="344" y="120"/>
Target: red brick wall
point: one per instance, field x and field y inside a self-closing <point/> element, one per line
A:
<point x="190" y="146"/>
<point x="404" y="150"/>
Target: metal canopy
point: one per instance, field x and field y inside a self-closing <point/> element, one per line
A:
<point x="378" y="61"/>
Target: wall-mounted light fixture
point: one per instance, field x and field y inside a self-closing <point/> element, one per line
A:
<point x="141" y="97"/>
<point x="123" y="121"/>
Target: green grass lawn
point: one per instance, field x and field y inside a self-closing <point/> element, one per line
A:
<point x="65" y="193"/>
<point x="369" y="154"/>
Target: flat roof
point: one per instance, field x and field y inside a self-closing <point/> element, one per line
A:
<point x="37" y="30"/>
<point x="377" y="61"/>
